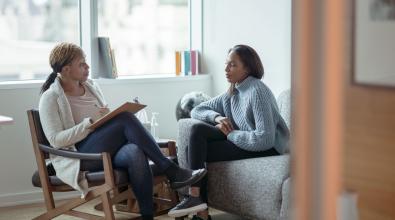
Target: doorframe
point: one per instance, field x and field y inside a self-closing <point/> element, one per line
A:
<point x="318" y="67"/>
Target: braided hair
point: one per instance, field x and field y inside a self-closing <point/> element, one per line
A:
<point x="61" y="55"/>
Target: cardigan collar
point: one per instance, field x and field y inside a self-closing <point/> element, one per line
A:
<point x="58" y="89"/>
<point x="64" y="105"/>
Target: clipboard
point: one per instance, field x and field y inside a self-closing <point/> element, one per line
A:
<point x="126" y="107"/>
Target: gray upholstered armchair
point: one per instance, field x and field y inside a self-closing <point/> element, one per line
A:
<point x="255" y="188"/>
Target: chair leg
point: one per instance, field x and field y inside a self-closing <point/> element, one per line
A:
<point x="61" y="209"/>
<point x="107" y="206"/>
<point x="48" y="197"/>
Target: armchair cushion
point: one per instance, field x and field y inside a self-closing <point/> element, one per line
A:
<point x="120" y="176"/>
<point x="252" y="188"/>
<point x="94" y="178"/>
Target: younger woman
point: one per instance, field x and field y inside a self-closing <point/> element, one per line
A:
<point x="243" y="122"/>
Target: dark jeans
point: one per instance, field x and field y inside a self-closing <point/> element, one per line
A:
<point x="129" y="144"/>
<point x="208" y="144"/>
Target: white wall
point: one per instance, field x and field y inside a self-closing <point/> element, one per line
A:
<point x="17" y="162"/>
<point x="263" y="24"/>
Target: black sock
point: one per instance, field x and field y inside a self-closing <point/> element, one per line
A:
<point x="197" y="184"/>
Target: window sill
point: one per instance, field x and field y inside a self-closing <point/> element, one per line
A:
<point x="159" y="78"/>
<point x="151" y="79"/>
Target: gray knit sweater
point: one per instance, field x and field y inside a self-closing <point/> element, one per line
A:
<point x="254" y="113"/>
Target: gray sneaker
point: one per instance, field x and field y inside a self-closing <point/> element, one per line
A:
<point x="187" y="206"/>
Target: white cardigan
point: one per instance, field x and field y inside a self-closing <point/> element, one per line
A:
<point x="62" y="132"/>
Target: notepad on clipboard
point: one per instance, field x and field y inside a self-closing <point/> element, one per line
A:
<point x="126" y="107"/>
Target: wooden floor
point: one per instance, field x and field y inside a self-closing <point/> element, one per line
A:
<point x="30" y="211"/>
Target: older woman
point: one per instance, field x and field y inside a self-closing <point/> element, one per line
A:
<point x="70" y="103"/>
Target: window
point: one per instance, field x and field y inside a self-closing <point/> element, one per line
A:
<point x="144" y="33"/>
<point x="29" y="30"/>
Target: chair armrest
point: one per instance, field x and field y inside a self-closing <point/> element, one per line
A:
<point x="70" y="154"/>
<point x="164" y="143"/>
<point x="105" y="157"/>
<point x="170" y="145"/>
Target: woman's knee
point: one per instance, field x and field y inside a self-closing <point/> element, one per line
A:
<point x="198" y="129"/>
<point x="133" y="150"/>
<point x="130" y="154"/>
<point x="126" y="117"/>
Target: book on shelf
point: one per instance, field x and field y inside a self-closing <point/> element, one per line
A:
<point x="187" y="62"/>
<point x="126" y="107"/>
<point x="178" y="62"/>
<point x="107" y="65"/>
<point x="114" y="70"/>
<point x="194" y="62"/>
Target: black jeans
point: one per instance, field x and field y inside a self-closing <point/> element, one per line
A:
<point x="129" y="145"/>
<point x="208" y="144"/>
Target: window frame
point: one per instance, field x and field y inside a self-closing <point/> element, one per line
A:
<point x="89" y="31"/>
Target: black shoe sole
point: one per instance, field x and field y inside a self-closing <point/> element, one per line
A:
<point x="190" y="181"/>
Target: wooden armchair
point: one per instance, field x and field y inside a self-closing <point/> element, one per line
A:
<point x="104" y="184"/>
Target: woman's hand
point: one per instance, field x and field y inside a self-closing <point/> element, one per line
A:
<point x="101" y="111"/>
<point x="104" y="111"/>
<point x="224" y="124"/>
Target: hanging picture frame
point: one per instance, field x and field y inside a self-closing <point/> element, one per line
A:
<point x="374" y="42"/>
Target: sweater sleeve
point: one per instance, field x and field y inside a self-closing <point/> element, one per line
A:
<point x="209" y="110"/>
<point x="52" y="125"/>
<point x="263" y="137"/>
